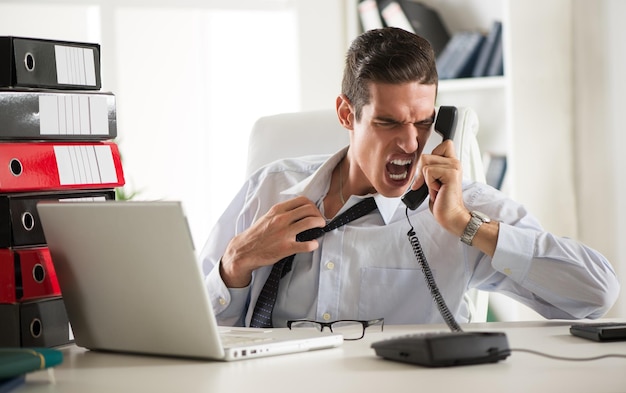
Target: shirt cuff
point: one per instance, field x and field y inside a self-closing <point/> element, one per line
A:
<point x="514" y="252"/>
<point x="228" y="303"/>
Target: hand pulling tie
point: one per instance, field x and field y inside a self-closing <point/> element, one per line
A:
<point x="264" y="307"/>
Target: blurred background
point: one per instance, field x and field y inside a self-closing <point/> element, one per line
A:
<point x="192" y="76"/>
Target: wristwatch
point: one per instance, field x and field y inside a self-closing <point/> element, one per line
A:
<point x="474" y="223"/>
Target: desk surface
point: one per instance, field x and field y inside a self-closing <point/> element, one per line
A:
<point x="353" y="367"/>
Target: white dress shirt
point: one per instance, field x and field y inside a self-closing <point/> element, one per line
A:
<point x="367" y="268"/>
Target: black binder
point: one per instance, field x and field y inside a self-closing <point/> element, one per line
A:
<point x="57" y="115"/>
<point x="19" y="219"/>
<point x="494" y="38"/>
<point x="35" y="323"/>
<point x="458" y="58"/>
<point x="425" y="22"/>
<point x="41" y="63"/>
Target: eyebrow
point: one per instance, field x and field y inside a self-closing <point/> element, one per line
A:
<point x="387" y="119"/>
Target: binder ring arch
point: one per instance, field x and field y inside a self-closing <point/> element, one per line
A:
<point x="28" y="221"/>
<point x="15" y="166"/>
<point x="39" y="273"/>
<point x="35" y="328"/>
<point x="29" y="62"/>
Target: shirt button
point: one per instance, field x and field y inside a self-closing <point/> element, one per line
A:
<point x="330" y="266"/>
<point x="326" y="316"/>
<point x="222" y="301"/>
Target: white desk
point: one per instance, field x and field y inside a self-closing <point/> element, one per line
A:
<point x="353" y="367"/>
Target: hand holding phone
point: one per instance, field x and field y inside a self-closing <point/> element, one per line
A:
<point x="445" y="125"/>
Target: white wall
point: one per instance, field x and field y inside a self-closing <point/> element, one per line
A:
<point x="600" y="83"/>
<point x="195" y="121"/>
<point x="192" y="76"/>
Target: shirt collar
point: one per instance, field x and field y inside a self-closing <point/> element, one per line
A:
<point x="316" y="186"/>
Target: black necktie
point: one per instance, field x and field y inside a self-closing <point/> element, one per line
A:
<point x="262" y="315"/>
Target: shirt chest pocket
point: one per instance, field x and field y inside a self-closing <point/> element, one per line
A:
<point x="399" y="295"/>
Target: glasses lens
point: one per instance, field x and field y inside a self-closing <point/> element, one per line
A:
<point x="306" y="325"/>
<point x="351" y="330"/>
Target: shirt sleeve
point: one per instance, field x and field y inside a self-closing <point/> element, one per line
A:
<point x="229" y="304"/>
<point x="558" y="277"/>
<point x="564" y="278"/>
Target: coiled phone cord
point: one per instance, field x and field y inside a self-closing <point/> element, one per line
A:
<point x="430" y="280"/>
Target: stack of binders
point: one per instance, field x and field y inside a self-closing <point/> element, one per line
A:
<point x="56" y="143"/>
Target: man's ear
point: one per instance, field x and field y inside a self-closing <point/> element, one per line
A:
<point x="345" y="112"/>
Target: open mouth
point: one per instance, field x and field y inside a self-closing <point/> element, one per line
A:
<point x="399" y="169"/>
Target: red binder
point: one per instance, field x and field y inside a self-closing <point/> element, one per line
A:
<point x="27" y="274"/>
<point x="32" y="166"/>
<point x="8" y="288"/>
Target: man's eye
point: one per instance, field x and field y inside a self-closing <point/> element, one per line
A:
<point x="423" y="126"/>
<point x="386" y="124"/>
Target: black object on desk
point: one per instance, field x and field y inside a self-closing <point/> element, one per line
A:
<point x="445" y="349"/>
<point x="600" y="331"/>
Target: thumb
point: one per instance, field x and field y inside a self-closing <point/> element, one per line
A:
<point x="418" y="179"/>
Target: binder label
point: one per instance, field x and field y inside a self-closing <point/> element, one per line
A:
<point x="75" y="66"/>
<point x="85" y="164"/>
<point x="72" y="114"/>
<point x="101" y="198"/>
<point x="394" y="16"/>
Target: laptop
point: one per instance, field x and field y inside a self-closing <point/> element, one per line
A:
<point x="131" y="283"/>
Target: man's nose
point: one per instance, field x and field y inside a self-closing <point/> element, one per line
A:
<point x="407" y="139"/>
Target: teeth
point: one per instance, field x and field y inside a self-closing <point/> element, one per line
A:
<point x="399" y="176"/>
<point x="400" y="162"/>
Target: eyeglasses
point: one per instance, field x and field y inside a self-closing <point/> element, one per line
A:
<point x="351" y="329"/>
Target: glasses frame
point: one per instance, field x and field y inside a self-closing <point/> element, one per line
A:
<point x="364" y="323"/>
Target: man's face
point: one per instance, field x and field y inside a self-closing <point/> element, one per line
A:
<point x="390" y="136"/>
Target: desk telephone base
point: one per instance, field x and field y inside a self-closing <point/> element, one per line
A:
<point x="445" y="349"/>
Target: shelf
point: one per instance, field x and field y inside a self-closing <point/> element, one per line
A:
<point x="466" y="84"/>
<point x="527" y="113"/>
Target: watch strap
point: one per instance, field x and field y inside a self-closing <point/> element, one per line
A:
<point x="477" y="219"/>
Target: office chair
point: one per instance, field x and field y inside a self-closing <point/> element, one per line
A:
<point x="299" y="134"/>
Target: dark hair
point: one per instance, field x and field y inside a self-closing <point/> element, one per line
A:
<point x="387" y="55"/>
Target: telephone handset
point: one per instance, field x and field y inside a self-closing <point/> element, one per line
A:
<point x="445" y="125"/>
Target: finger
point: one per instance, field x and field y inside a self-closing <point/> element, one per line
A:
<point x="297" y="215"/>
<point x="440" y="174"/>
<point x="307" y="223"/>
<point x="441" y="153"/>
<point x="305" y="213"/>
<point x="308" y="246"/>
<point x="289" y="212"/>
<point x="418" y="180"/>
<point x="445" y="149"/>
<point x="292" y="204"/>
